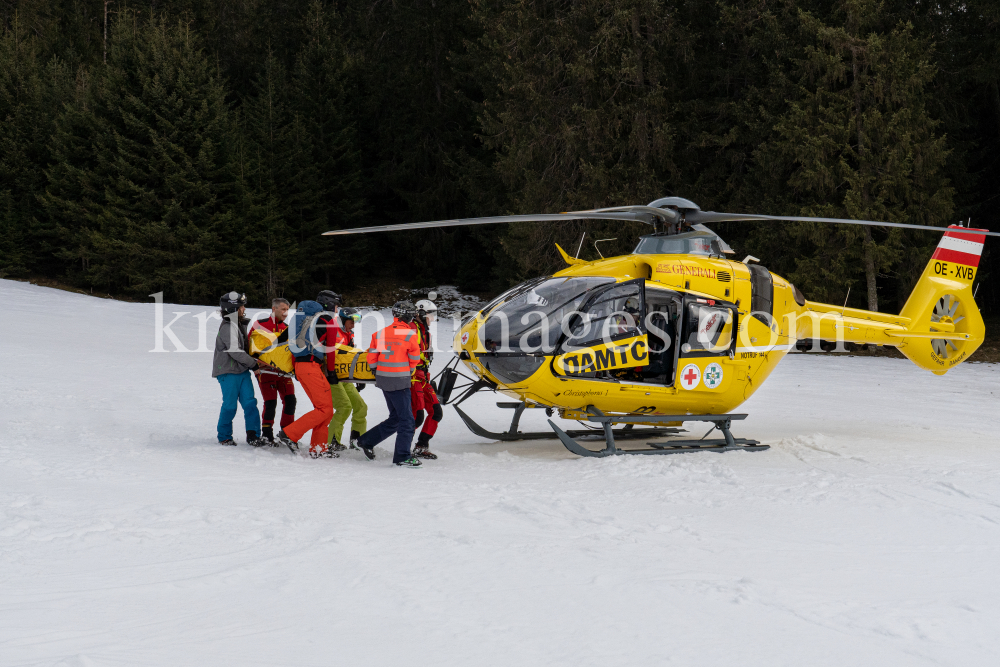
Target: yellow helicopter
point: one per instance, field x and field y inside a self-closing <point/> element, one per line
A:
<point x="677" y="332"/>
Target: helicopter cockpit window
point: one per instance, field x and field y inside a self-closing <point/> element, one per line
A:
<point x="708" y="329"/>
<point x="679" y="245"/>
<point x="615" y="313"/>
<point x="509" y="294"/>
<point x="531" y="319"/>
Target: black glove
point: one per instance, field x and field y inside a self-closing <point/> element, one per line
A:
<point x="360" y="386"/>
<point x="331" y="377"/>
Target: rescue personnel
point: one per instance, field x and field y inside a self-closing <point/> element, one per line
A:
<point x="347" y="402"/>
<point x="273" y="385"/>
<point x="330" y="300"/>
<point x="392" y="355"/>
<point x="423" y="396"/>
<point x="313" y="336"/>
<point x="231" y="366"/>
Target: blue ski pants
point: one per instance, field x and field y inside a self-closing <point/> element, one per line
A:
<point x="237" y="387"/>
<point x="400" y="422"/>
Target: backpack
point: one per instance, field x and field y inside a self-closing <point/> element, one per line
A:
<point x="303" y="341"/>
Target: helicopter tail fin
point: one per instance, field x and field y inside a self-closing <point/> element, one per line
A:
<point x="945" y="326"/>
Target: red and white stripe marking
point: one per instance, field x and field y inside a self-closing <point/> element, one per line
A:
<point x="960" y="247"/>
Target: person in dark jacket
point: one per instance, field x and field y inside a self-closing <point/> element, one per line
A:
<point x="231" y="366"/>
<point x="392" y="355"/>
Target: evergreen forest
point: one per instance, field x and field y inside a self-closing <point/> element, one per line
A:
<point x="198" y="146"/>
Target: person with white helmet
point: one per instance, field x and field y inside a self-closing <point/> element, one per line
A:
<point x="423" y="395"/>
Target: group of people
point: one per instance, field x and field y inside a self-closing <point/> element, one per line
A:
<point x="399" y="356"/>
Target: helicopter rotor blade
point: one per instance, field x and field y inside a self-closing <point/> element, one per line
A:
<point x="602" y="214"/>
<point x="712" y="216"/>
<point x="665" y="214"/>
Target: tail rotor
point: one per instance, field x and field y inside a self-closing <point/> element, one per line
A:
<point x="945" y="313"/>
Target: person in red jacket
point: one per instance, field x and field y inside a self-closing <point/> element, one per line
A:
<point x="273" y="386"/>
<point x="423" y="397"/>
<point x="393" y="354"/>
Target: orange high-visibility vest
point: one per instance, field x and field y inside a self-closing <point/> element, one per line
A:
<point x="394" y="351"/>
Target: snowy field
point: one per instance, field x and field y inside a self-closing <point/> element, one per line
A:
<point x="869" y="534"/>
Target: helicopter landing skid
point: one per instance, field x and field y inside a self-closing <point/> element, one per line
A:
<point x="512" y="434"/>
<point x="721" y="422"/>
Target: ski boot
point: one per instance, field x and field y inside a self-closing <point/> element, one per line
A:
<point x="322" y="452"/>
<point x="228" y="441"/>
<point x="267" y="435"/>
<point x="409" y="463"/>
<point x="293" y="446"/>
<point x="354" y="440"/>
<point x="422" y="450"/>
<point x="336" y="446"/>
<point x="369" y="452"/>
<point x="255" y="440"/>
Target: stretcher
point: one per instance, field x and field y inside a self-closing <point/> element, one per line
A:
<point x="350" y="363"/>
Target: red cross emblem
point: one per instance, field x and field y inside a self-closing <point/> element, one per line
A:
<point x="690" y="376"/>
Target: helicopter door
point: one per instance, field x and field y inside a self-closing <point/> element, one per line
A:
<point x="709" y="329"/>
<point x="610" y="318"/>
<point x="663" y="310"/>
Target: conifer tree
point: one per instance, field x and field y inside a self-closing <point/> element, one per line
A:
<point x="31" y="92"/>
<point x="157" y="189"/>
<point x="320" y="176"/>
<point x="578" y="111"/>
<point x="262" y="164"/>
<point x="861" y="144"/>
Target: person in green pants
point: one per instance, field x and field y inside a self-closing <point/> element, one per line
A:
<point x="347" y="401"/>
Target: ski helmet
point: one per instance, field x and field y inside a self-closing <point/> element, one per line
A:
<point x="231" y="302"/>
<point x="348" y="314"/>
<point x="329" y="299"/>
<point x="404" y="311"/>
<point x="426" y="309"/>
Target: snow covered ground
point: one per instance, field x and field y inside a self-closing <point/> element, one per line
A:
<point x="869" y="534"/>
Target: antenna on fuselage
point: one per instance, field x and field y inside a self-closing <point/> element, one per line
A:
<point x="602" y="241"/>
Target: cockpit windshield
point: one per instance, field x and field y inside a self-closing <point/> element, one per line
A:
<point x="693" y="243"/>
<point x="531" y="318"/>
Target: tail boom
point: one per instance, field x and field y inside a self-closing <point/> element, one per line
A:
<point x="939" y="327"/>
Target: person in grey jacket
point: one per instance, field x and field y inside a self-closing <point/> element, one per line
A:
<point x="231" y="366"/>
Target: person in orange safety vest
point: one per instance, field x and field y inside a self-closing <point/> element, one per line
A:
<point x="393" y="355"/>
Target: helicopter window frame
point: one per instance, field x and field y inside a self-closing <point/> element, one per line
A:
<point x="676" y="298"/>
<point x="700" y="243"/>
<point x="684" y="331"/>
<point x="762" y="294"/>
<point x="548" y="328"/>
<point x="638" y="329"/>
<point x="512" y="293"/>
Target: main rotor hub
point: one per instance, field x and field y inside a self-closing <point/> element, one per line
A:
<point x="678" y="203"/>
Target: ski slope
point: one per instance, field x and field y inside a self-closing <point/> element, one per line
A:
<point x="869" y="534"/>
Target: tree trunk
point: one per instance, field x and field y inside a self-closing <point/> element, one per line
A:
<point x="637" y="36"/>
<point x="870" y="274"/>
<point x="995" y="90"/>
<point x="869" y="243"/>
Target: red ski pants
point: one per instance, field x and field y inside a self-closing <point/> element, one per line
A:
<point x="423" y="399"/>
<point x="313" y="380"/>
<point x="271" y="387"/>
